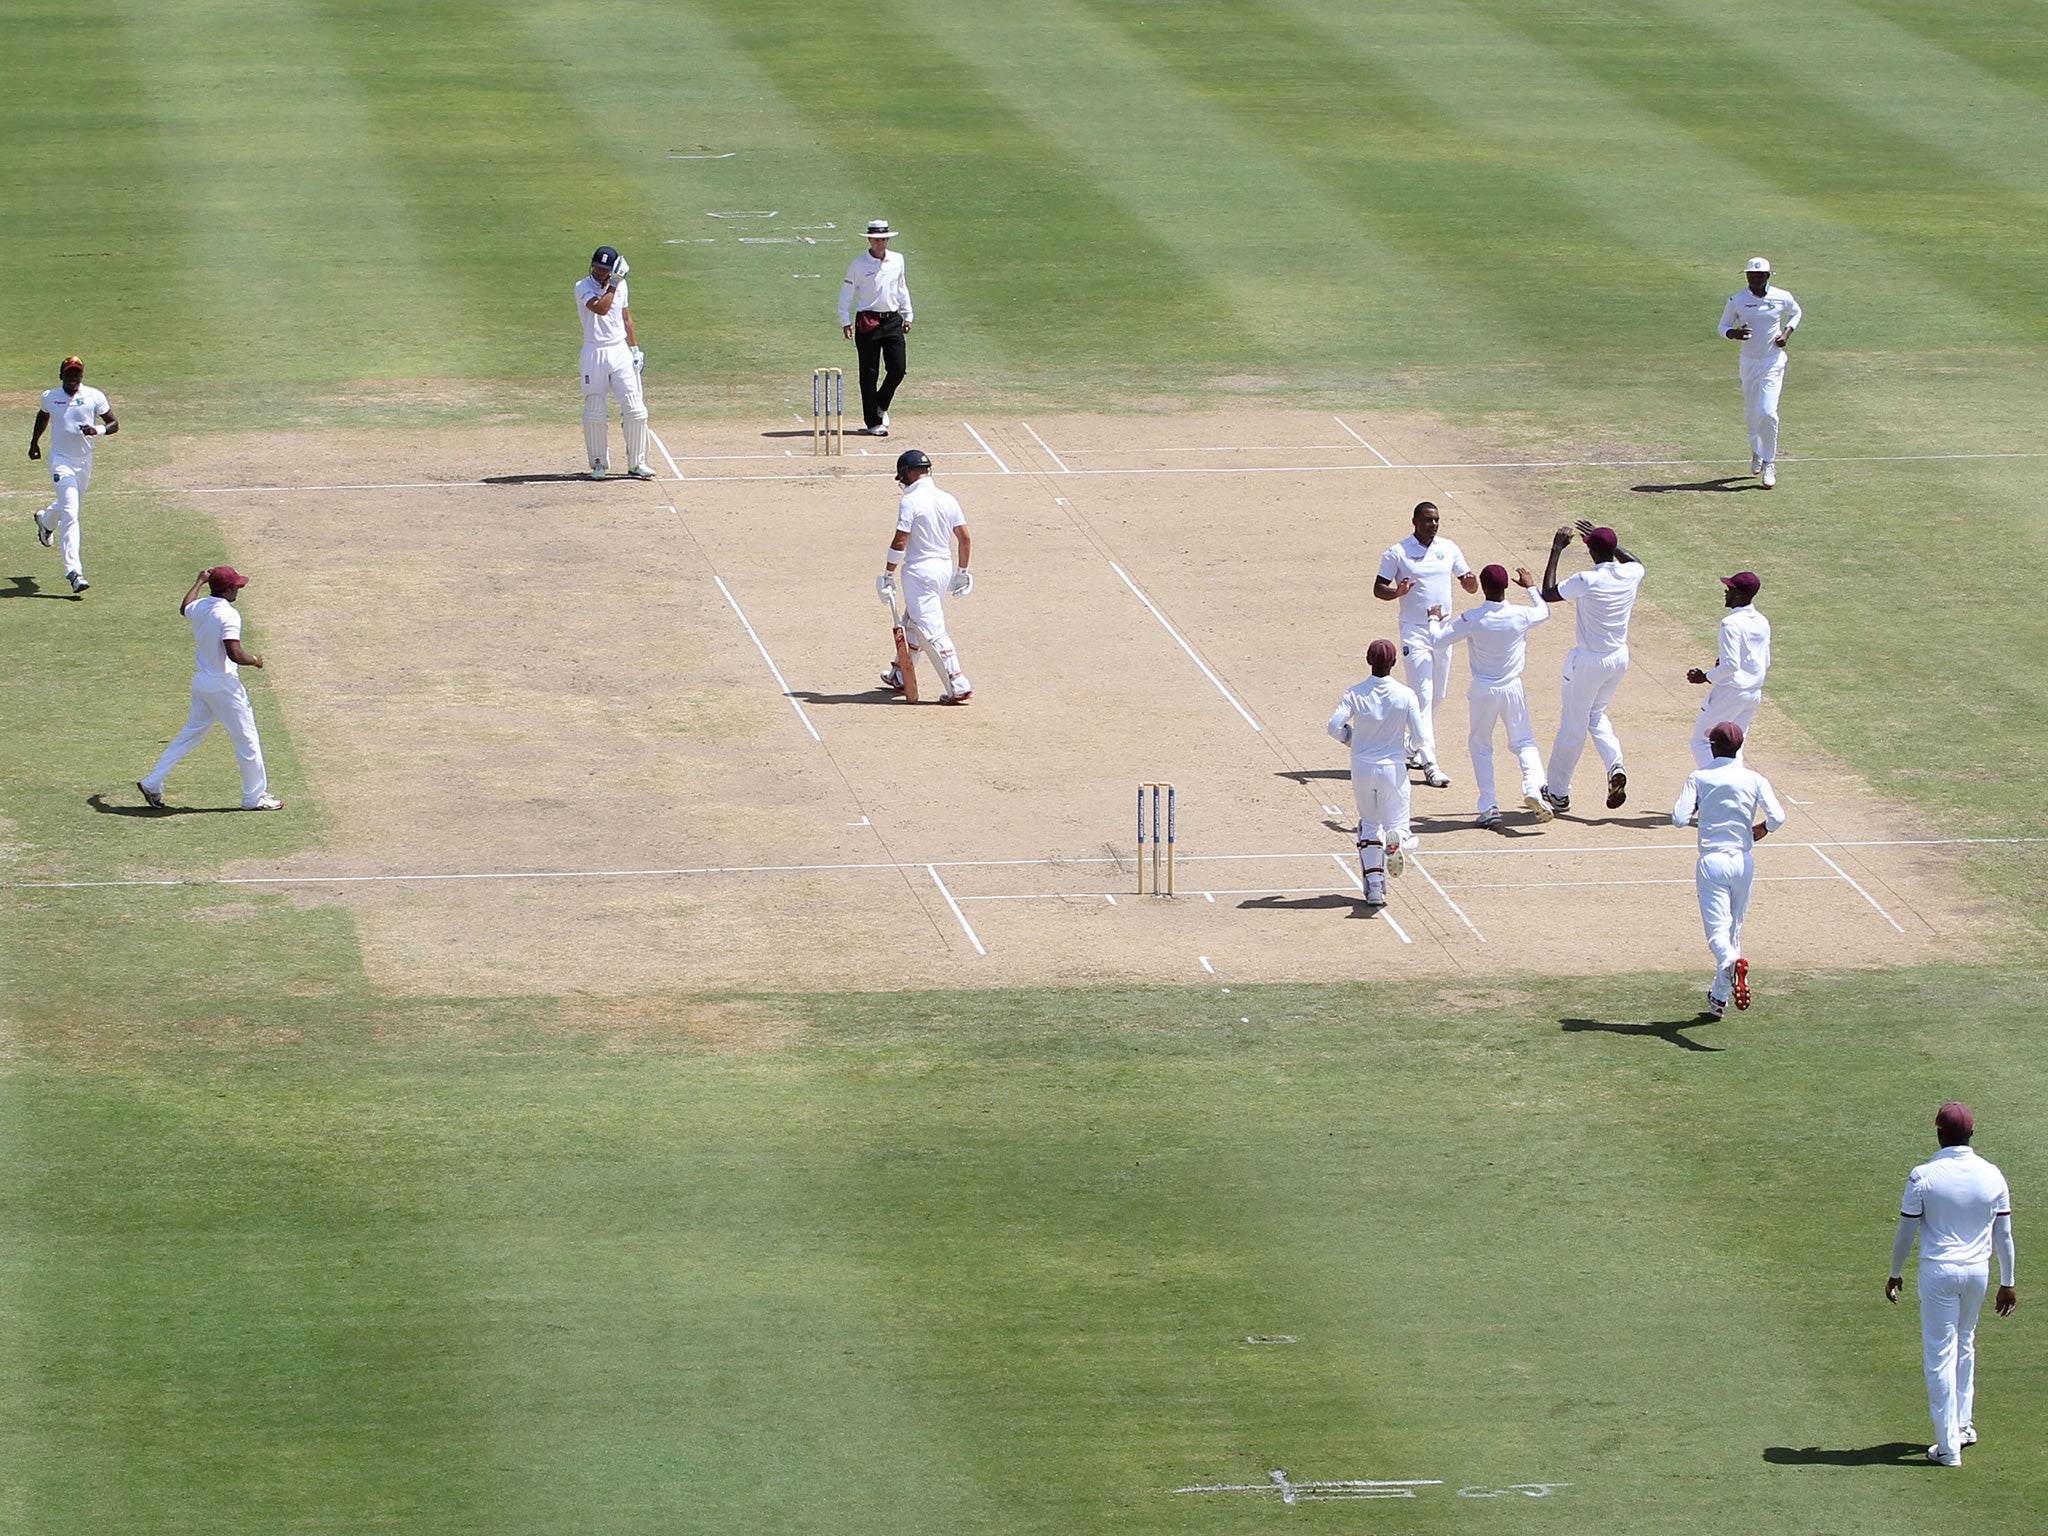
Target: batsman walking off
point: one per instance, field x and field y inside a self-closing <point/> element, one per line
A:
<point x="928" y="525"/>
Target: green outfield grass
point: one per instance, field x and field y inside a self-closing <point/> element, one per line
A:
<point x="281" y="1253"/>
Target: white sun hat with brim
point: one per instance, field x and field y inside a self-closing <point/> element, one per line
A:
<point x="1757" y="264"/>
<point x="878" y="229"/>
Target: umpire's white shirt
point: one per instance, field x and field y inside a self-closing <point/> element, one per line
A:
<point x="1497" y="633"/>
<point x="1375" y="720"/>
<point x="929" y="516"/>
<point x="1767" y="318"/>
<point x="875" y="285"/>
<point x="606" y="330"/>
<point x="1433" y="568"/>
<point x="1745" y="650"/>
<point x="1957" y="1195"/>
<point x="1727" y="799"/>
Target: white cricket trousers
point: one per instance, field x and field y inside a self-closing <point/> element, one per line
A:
<point x="1734" y="705"/>
<point x="61" y="516"/>
<point x="1589" y="684"/>
<point x="1761" y="383"/>
<point x="610" y="370"/>
<point x="925" y="626"/>
<point x="221" y="701"/>
<point x="1427" y="670"/>
<point x="1724" y="877"/>
<point x="1503" y="703"/>
<point x="1951" y="1296"/>
<point x="1380" y="791"/>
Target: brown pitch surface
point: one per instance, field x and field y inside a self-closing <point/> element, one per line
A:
<point x="543" y="677"/>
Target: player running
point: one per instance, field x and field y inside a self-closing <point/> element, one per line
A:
<point x="78" y="414"/>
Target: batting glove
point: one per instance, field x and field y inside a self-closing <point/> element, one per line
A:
<point x="885" y="589"/>
<point x="962" y="583"/>
<point x="639" y="357"/>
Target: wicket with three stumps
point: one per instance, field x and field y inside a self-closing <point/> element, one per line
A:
<point x="828" y="411"/>
<point x="1160" y="860"/>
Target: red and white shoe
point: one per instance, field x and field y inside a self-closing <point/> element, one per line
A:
<point x="957" y="698"/>
<point x="1741" y="983"/>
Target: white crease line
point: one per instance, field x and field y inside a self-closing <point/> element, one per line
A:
<point x="1559" y="885"/>
<point x="985" y="447"/>
<point x="1357" y="878"/>
<point x="965" y="927"/>
<point x="1368" y="446"/>
<point x="1250" y="890"/>
<point x="1048" y="448"/>
<point x="1248" y="720"/>
<point x="673" y="468"/>
<point x="1831" y="864"/>
<point x="1206" y="965"/>
<point x="1416" y="865"/>
<point x="794" y="703"/>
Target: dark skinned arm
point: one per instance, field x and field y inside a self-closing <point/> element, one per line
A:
<point x="1558" y="541"/>
<point x="35" y="437"/>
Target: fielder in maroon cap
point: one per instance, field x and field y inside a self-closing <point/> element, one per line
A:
<point x="1602" y="600"/>
<point x="218" y="697"/>
<point x="1375" y="720"/>
<point x="1736" y="808"/>
<point x="1737" y="678"/>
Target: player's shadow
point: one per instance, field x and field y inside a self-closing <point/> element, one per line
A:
<point x="1673" y="1033"/>
<point x="875" y="695"/>
<point x="1328" y="901"/>
<point x="1724" y="483"/>
<point x="798" y="432"/>
<point x="1893" y="1453"/>
<point x="1599" y="816"/>
<point x="1304" y="775"/>
<point x="581" y="477"/>
<point x="106" y="807"/>
<point x="27" y="586"/>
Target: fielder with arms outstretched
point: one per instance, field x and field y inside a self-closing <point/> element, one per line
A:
<point x="611" y="365"/>
<point x="929" y="523"/>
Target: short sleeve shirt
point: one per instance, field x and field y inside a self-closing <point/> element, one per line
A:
<point x="1604" y="598"/>
<point x="1433" y="567"/>
<point x="1956" y="1194"/>
<point x="215" y="621"/>
<point x="607" y="330"/>
<point x="929" y="516"/>
<point x="67" y="414"/>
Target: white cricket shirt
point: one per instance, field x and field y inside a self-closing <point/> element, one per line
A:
<point x="215" y="621"/>
<point x="1434" y="568"/>
<point x="68" y="413"/>
<point x="1956" y="1194"/>
<point x="1727" y="799"/>
<point x="1745" y="650"/>
<point x="1497" y="634"/>
<point x="1767" y="318"/>
<point x="606" y="330"/>
<point x="929" y="516"/>
<point x="877" y="285"/>
<point x="1381" y="714"/>
<point x="1604" y="596"/>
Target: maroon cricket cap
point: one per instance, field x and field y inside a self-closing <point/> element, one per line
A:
<point x="1745" y="582"/>
<point x="1954" y="1119"/>
<point x="1602" y="543"/>
<point x="1380" y="653"/>
<point x="224" y="579"/>
<point x="1725" y="738"/>
<point x="1494" y="576"/>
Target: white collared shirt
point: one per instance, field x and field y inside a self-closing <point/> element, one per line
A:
<point x="1745" y="650"/>
<point x="215" y="621"/>
<point x="1375" y="720"/>
<point x="1957" y="1195"/>
<point x="1498" y="635"/>
<point x="1768" y="318"/>
<point x="1604" y="597"/>
<point x="1434" y="568"/>
<point x="929" y="516"/>
<point x="67" y="414"/>
<point x="1727" y="799"/>
<point x="876" y="285"/>
<point x="609" y="329"/>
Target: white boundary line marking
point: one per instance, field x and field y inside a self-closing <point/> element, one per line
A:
<point x="781" y="681"/>
<point x="673" y="468"/>
<point x="1831" y="864"/>
<point x="1197" y="660"/>
<point x="965" y="927"/>
<point x="1356" y="877"/>
<point x="1416" y="865"/>
<point x="985" y="447"/>
<point x="1368" y="446"/>
<point x="1048" y="448"/>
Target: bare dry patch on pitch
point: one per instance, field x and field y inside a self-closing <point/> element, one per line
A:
<point x="639" y="1026"/>
<point x="536" y="715"/>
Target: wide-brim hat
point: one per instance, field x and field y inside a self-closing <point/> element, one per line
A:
<point x="878" y="229"/>
<point x="1758" y="264"/>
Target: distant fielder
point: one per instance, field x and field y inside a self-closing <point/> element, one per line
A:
<point x="1603" y="599"/>
<point x="1375" y="720"/>
<point x="1418" y="573"/>
<point x="77" y="414"/>
<point x="611" y="365"/>
<point x="1763" y="319"/>
<point x="1735" y="808"/>
<point x="929" y="524"/>
<point x="1498" y="635"/>
<point x="218" y="697"/>
<point x="1737" y="679"/>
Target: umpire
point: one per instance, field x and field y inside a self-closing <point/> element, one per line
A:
<point x="874" y="312"/>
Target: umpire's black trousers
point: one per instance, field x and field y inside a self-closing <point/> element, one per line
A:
<point x="883" y="344"/>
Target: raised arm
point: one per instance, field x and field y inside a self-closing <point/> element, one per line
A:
<point x="1558" y="541"/>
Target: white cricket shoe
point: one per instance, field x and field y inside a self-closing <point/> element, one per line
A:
<point x="1396" y="859"/>
<point x="1967" y="1435"/>
<point x="1952" y="1459"/>
<point x="885" y="421"/>
<point x="1771" y="476"/>
<point x="44" y="536"/>
<point x="77" y="580"/>
<point x="1756" y="464"/>
<point x="1490" y="818"/>
<point x="1536" y="806"/>
<point x="641" y="472"/>
<point x="1375" y="889"/>
<point x="598" y="469"/>
<point x="1435" y="777"/>
<point x="267" y="803"/>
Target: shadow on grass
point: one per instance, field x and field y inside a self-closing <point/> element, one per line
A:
<point x="1893" y="1453"/>
<point x="27" y="586"/>
<point x="106" y="807"/>
<point x="1672" y="1033"/>
<point x="1329" y="901"/>
<point x="1725" y="483"/>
